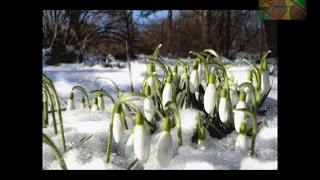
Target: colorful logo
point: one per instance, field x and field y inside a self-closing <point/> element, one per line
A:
<point x="283" y="10"/>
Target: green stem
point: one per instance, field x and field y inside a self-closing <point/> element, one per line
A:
<point x="254" y="129"/>
<point x="52" y="108"/>
<point x="124" y="118"/>
<point x="58" y="154"/>
<point x="211" y="51"/>
<point x="119" y="101"/>
<point x="45" y="110"/>
<point x="162" y="66"/>
<point x="49" y="82"/>
<point x="178" y="123"/>
<point x="84" y="92"/>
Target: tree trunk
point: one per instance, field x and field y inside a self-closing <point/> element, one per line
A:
<point x="204" y="26"/>
<point x="129" y="66"/>
<point x="271" y="29"/>
<point x="169" y="37"/>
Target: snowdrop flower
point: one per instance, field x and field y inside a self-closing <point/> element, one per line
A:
<point x="83" y="105"/>
<point x="223" y="106"/>
<point x="95" y="106"/>
<point x="148" y="106"/>
<point x="239" y="116"/>
<point x="165" y="144"/>
<point x="129" y="145"/>
<point x="200" y="72"/>
<point x="194" y="78"/>
<point x="248" y="91"/>
<point x="70" y="105"/>
<point x="167" y="91"/>
<point x="202" y="141"/>
<point x="118" y="125"/>
<point x="141" y="139"/>
<point x="209" y="95"/>
<point x="175" y="73"/>
<point x="151" y="81"/>
<point x="233" y="91"/>
<point x="241" y="141"/>
<point x="101" y="102"/>
<point x="265" y="84"/>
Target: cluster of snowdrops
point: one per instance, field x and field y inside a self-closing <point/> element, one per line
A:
<point x="207" y="86"/>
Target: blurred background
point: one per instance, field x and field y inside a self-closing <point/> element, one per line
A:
<point x="69" y="34"/>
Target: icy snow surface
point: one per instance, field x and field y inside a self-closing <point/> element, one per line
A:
<point x="220" y="155"/>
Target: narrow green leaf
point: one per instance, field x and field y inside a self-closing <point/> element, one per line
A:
<point x="103" y="92"/>
<point x="108" y="81"/>
<point x="162" y="66"/>
<point x="57" y="153"/>
<point x="133" y="166"/>
<point x="218" y="66"/>
<point x="156" y="51"/>
<point x="264" y="97"/>
<point x="84" y="92"/>
<point x="201" y="57"/>
<point x="245" y="110"/>
<point x="211" y="51"/>
<point x="83" y="140"/>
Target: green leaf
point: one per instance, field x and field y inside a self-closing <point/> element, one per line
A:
<point x="258" y="74"/>
<point x="230" y="66"/>
<point x="211" y="51"/>
<point x="201" y="57"/>
<point x="245" y="110"/>
<point x="249" y="132"/>
<point x="216" y="65"/>
<point x="156" y="51"/>
<point x="210" y="124"/>
<point x="264" y="97"/>
<point x="162" y="66"/>
<point x="108" y="81"/>
<point x="84" y="92"/>
<point x="57" y="153"/>
<point x="83" y="140"/>
<point x="51" y="85"/>
<point x="103" y="92"/>
<point x="133" y="166"/>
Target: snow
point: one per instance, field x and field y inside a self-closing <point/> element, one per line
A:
<point x="78" y="123"/>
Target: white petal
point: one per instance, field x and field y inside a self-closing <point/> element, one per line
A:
<point x="202" y="144"/>
<point x="200" y="74"/>
<point x="118" y="128"/>
<point x="70" y="105"/>
<point x="234" y="95"/>
<point x="249" y="94"/>
<point x="83" y="105"/>
<point x="241" y="144"/>
<point x="265" y="84"/>
<point x="239" y="116"/>
<point x="165" y="149"/>
<point x="152" y="85"/>
<point x="209" y="98"/>
<point x="223" y="110"/>
<point x="166" y="94"/>
<point x="95" y="107"/>
<point x="194" y="81"/>
<point x="141" y="143"/>
<point x="101" y="103"/>
<point x="129" y="150"/>
<point x="148" y="108"/>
